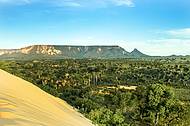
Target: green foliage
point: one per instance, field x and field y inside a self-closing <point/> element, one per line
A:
<point x="106" y="117"/>
<point x="85" y="85"/>
<point x="101" y="116"/>
<point x="118" y="118"/>
<point x="158" y="106"/>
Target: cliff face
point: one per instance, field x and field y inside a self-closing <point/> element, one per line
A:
<point x="65" y="51"/>
<point x="40" y="49"/>
<point x="36" y="49"/>
<point x="8" y="51"/>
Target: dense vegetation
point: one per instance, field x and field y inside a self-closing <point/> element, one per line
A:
<point x="94" y="88"/>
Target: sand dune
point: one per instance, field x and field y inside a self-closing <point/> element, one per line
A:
<point x="24" y="104"/>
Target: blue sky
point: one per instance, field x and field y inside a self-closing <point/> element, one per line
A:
<point x="155" y="27"/>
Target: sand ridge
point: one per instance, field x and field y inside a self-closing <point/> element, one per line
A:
<point x="24" y="104"/>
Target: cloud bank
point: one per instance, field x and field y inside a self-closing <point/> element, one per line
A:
<point x="180" y="33"/>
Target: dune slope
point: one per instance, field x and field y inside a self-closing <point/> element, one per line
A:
<point x="24" y="104"/>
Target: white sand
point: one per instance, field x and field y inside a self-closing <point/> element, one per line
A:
<point x="24" y="104"/>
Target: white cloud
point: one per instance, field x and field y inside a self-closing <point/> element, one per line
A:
<point x="170" y="42"/>
<point x="128" y="3"/>
<point x="167" y="47"/>
<point x="74" y="3"/>
<point x="180" y="33"/>
<point x="65" y="3"/>
<point x="14" y="1"/>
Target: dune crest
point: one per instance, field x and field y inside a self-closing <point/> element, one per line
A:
<point x="24" y="104"/>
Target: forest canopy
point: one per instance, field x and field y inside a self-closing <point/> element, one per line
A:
<point x="115" y="92"/>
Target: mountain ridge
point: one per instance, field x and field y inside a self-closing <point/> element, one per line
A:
<point x="70" y="51"/>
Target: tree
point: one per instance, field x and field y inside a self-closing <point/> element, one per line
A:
<point x="158" y="106"/>
<point x="118" y="118"/>
<point x="102" y="116"/>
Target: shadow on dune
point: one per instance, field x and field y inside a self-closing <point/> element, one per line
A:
<point x="17" y="121"/>
<point x="14" y="121"/>
<point x="5" y="122"/>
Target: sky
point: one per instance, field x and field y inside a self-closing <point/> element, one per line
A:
<point x="155" y="27"/>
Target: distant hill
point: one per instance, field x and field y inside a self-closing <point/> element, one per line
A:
<point x="68" y="52"/>
<point x="137" y="53"/>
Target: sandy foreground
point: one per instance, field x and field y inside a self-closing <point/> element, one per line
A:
<point x="24" y="104"/>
